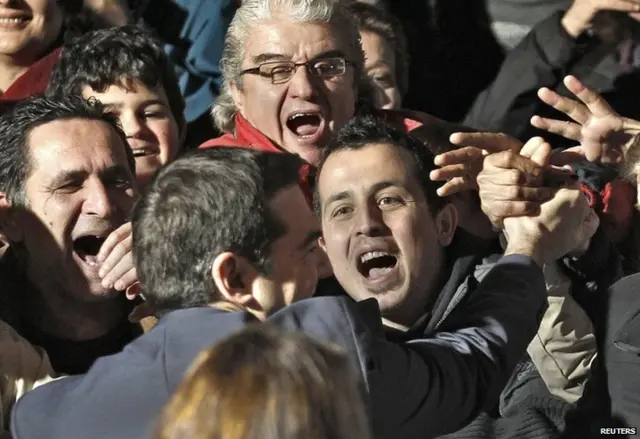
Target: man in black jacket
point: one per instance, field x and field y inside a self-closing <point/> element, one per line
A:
<point x="594" y="40"/>
<point x="224" y="237"/>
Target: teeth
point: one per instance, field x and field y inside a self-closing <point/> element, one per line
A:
<point x="295" y="116"/>
<point x="11" y="20"/>
<point x="372" y="255"/>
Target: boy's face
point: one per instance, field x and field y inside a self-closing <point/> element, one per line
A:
<point x="148" y="122"/>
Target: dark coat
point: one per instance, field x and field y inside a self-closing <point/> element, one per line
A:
<point x="612" y="396"/>
<point x="419" y="389"/>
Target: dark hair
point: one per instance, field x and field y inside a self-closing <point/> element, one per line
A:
<point x="115" y="56"/>
<point x="17" y="122"/>
<point x="374" y="19"/>
<point x="363" y="131"/>
<point x="202" y="204"/>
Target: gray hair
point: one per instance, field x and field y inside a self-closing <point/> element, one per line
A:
<point x="334" y="12"/>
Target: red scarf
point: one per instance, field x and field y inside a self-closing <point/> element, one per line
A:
<point x="247" y="136"/>
<point x="34" y="80"/>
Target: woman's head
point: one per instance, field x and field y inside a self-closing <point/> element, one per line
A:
<point x="28" y="28"/>
<point x="269" y="384"/>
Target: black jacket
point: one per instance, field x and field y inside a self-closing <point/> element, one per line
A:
<point x="526" y="409"/>
<point x="542" y="59"/>
<point x="419" y="389"/>
<point x="612" y="396"/>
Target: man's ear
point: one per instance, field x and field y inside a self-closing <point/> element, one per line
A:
<point x="322" y="244"/>
<point x="446" y="222"/>
<point x="233" y="277"/>
<point x="238" y="96"/>
<point x="9" y="221"/>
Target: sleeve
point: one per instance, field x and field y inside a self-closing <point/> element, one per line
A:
<point x="433" y="386"/>
<point x="564" y="346"/>
<point x="22" y="368"/>
<point x="541" y="59"/>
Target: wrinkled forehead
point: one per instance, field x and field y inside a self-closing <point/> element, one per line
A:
<point x="286" y="40"/>
<point x="60" y="146"/>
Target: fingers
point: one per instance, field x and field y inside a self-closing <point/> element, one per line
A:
<point x="462" y="155"/>
<point x="593" y="101"/>
<point x="569" y="130"/>
<point x="572" y="108"/>
<point x="117" y="254"/>
<point x="113" y="240"/>
<point x="490" y="142"/>
<point x="456" y="185"/>
<point x="541" y="152"/>
<point x="622" y="6"/>
<point x="527" y="170"/>
<point x="122" y="276"/>
<point x="498" y="212"/>
<point x="568" y="156"/>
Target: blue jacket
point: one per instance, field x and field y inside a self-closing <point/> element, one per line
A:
<point x="198" y="69"/>
<point x="418" y="389"/>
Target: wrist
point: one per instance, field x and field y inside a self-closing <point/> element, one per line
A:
<point x="576" y="21"/>
<point x="525" y="249"/>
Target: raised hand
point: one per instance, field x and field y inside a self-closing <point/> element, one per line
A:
<point x="580" y="15"/>
<point x="604" y="135"/>
<point x="565" y="223"/>
<point x="460" y="167"/>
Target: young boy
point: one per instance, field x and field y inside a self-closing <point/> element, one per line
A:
<point x="127" y="70"/>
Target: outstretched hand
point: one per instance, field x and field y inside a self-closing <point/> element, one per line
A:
<point x="460" y="168"/>
<point x="604" y="135"/>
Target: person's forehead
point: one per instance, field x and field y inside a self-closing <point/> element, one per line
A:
<point x="293" y="40"/>
<point x="362" y="169"/>
<point x="74" y="143"/>
<point x="378" y="50"/>
<point x="130" y="92"/>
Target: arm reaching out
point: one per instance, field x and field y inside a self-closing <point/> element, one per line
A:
<point x="604" y="135"/>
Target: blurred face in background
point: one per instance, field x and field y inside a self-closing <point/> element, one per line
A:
<point x="380" y="68"/>
<point x="28" y="28"/>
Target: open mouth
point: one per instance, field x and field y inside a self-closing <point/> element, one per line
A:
<point x="376" y="264"/>
<point x="143" y="152"/>
<point x="87" y="248"/>
<point x="305" y="125"/>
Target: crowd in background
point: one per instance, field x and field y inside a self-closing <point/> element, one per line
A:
<point x="321" y="219"/>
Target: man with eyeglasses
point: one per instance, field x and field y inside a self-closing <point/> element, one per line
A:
<point x="292" y="74"/>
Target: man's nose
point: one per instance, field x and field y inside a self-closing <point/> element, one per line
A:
<point x="369" y="221"/>
<point x="98" y="201"/>
<point x="302" y="84"/>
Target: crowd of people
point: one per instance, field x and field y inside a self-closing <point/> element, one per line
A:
<point x="242" y="219"/>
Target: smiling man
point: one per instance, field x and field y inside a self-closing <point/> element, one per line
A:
<point x="66" y="183"/>
<point x="131" y="75"/>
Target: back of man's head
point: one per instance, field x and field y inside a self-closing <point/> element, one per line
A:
<point x="17" y="122"/>
<point x="116" y="56"/>
<point x="199" y="206"/>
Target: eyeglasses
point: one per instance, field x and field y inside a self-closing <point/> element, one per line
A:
<point x="282" y="71"/>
